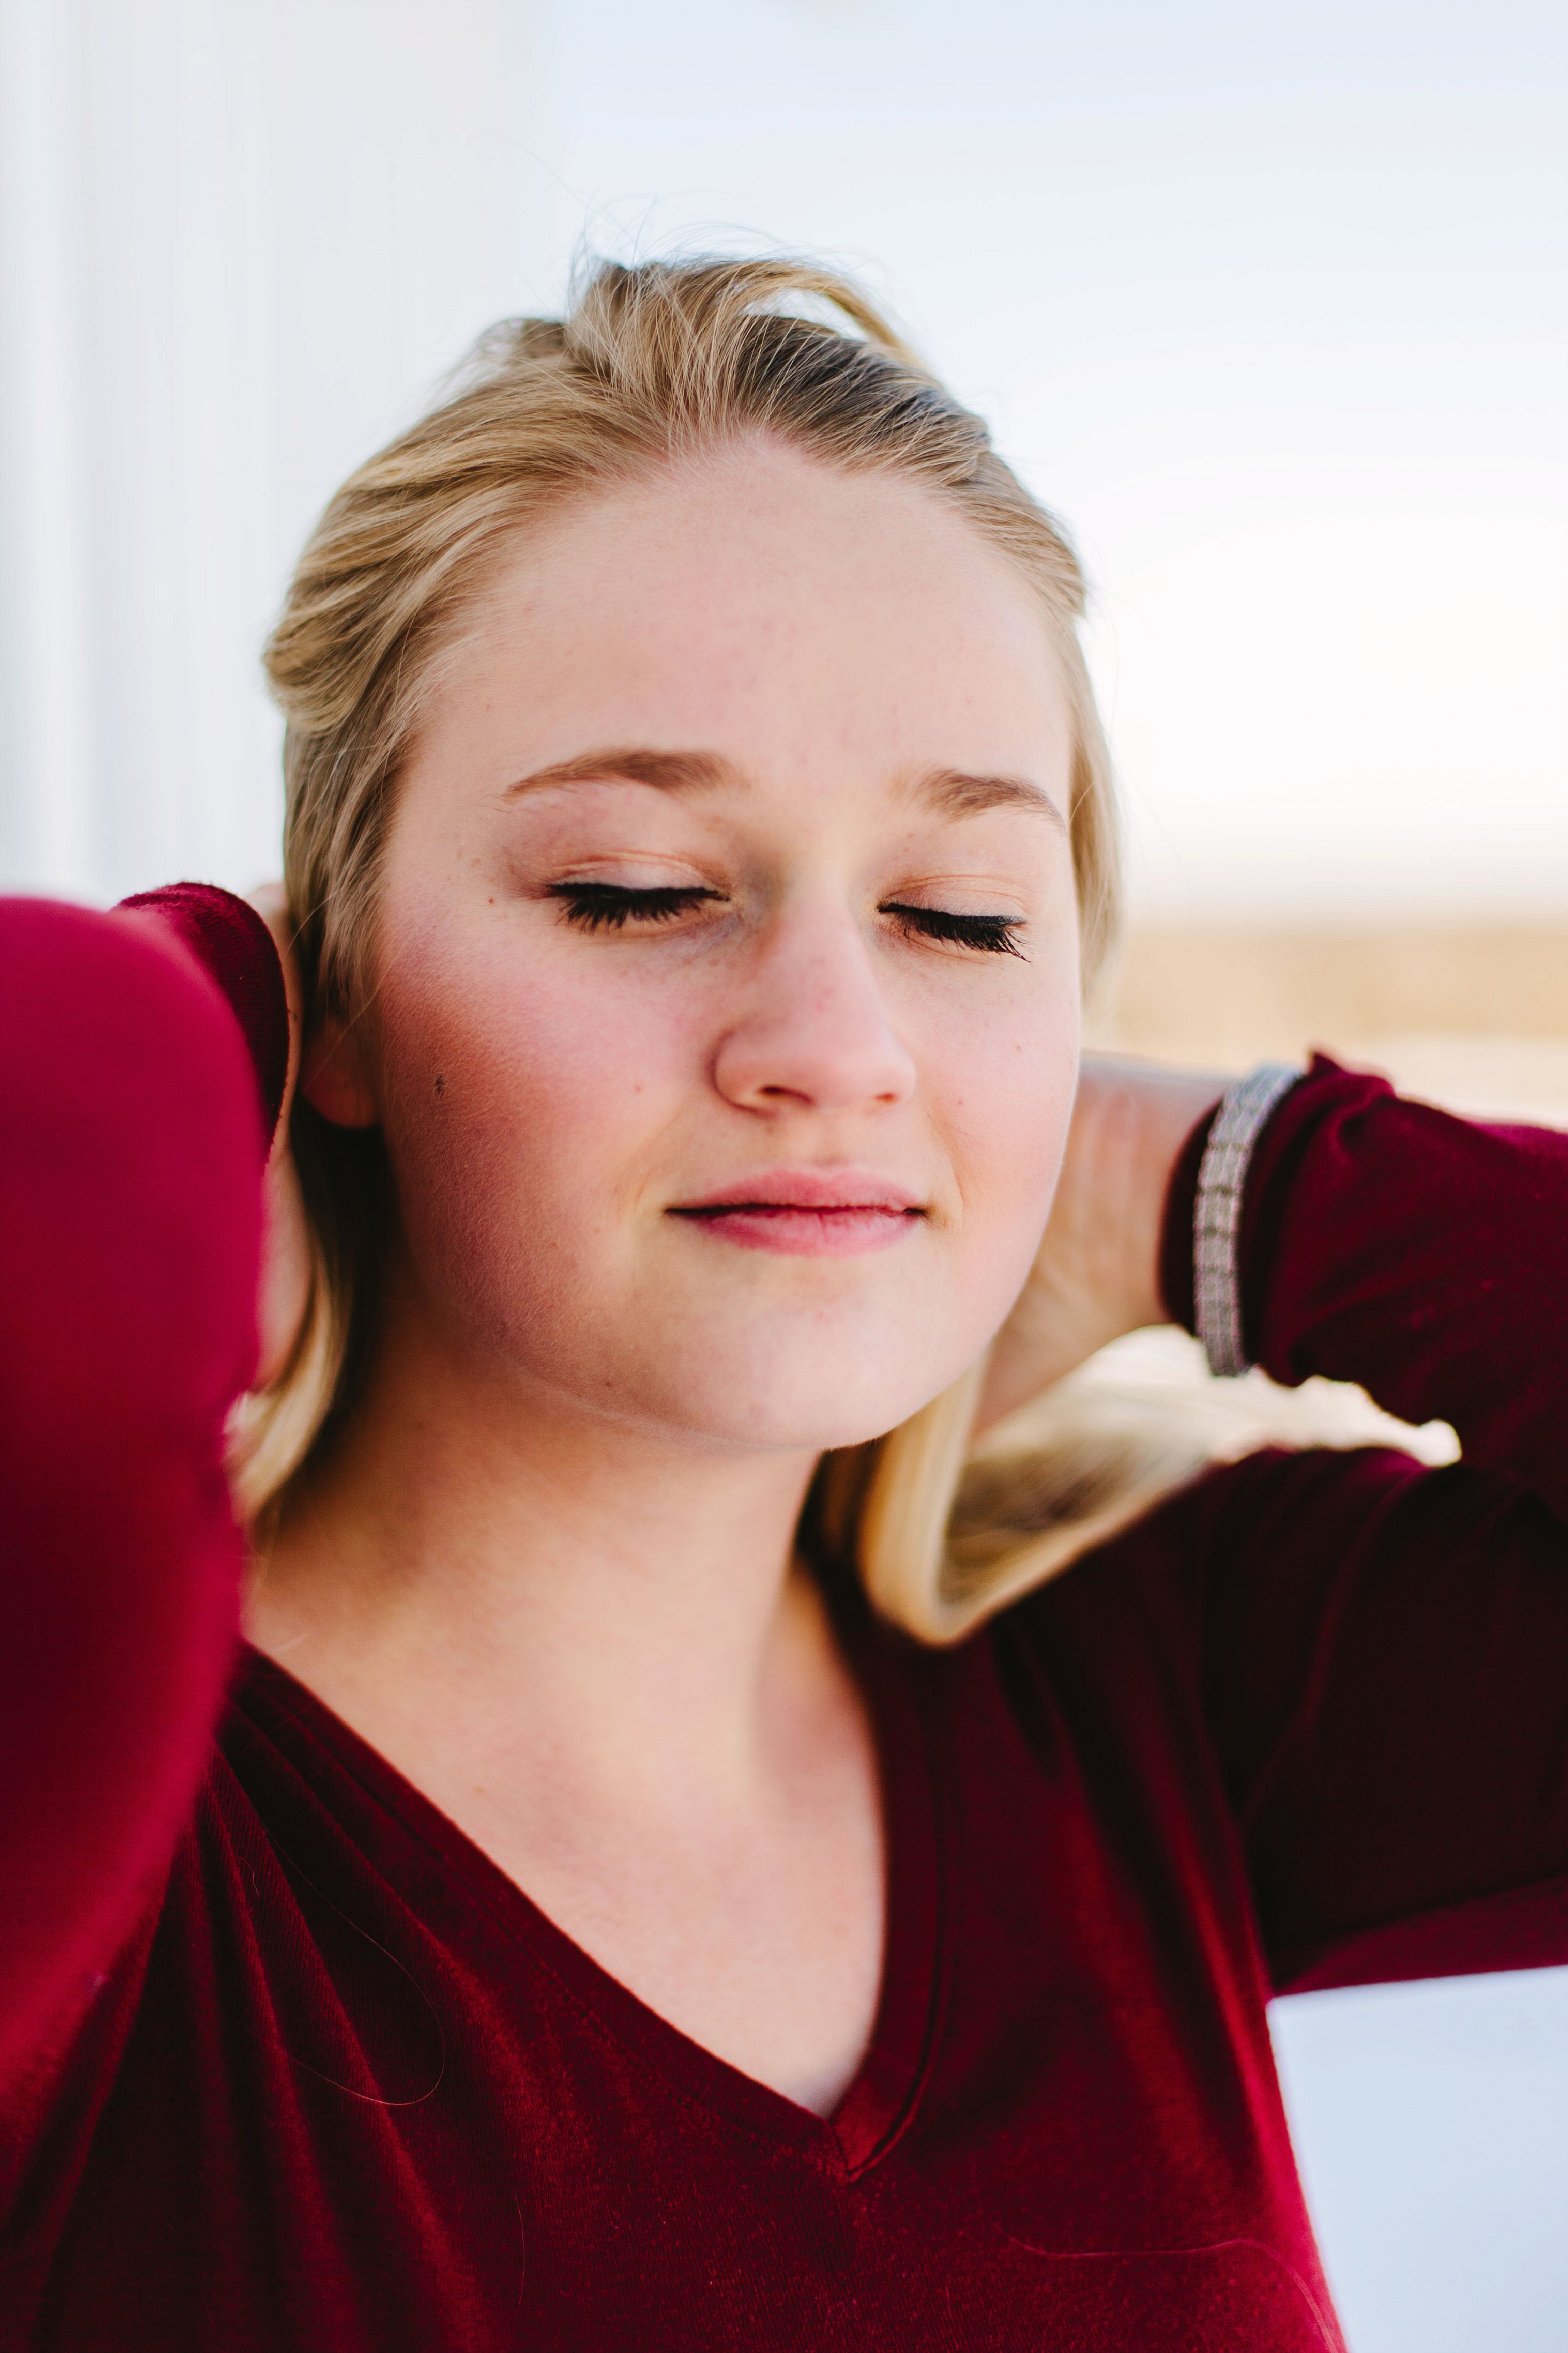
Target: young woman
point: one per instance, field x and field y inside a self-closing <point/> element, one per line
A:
<point x="605" y="1904"/>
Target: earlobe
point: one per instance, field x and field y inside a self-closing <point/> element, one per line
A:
<point x="333" y="1077"/>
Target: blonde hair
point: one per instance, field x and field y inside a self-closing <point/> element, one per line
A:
<point x="649" y="367"/>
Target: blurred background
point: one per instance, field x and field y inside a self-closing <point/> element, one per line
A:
<point x="1270" y="305"/>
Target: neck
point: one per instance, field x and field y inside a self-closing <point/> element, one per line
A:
<point x="609" y="1593"/>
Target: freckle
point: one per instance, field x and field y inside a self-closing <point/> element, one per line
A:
<point x="441" y="1086"/>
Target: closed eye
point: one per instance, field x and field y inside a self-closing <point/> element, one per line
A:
<point x="601" y="906"/>
<point x="992" y="932"/>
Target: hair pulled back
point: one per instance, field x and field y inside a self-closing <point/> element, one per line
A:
<point x="651" y="365"/>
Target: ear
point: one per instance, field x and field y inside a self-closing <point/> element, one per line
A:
<point x="333" y="1077"/>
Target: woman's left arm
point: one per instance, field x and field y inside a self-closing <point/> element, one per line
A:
<point x="1384" y="1648"/>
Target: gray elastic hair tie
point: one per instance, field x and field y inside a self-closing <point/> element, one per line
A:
<point x="1243" y="1113"/>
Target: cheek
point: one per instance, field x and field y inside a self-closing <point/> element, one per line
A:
<point x="514" y="1109"/>
<point x="1007" y="1106"/>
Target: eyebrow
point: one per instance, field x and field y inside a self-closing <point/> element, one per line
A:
<point x="949" y="792"/>
<point x="668" y="772"/>
<point x="952" y="792"/>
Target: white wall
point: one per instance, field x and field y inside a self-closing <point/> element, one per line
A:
<point x="1431" y="2123"/>
<point x="239" y="240"/>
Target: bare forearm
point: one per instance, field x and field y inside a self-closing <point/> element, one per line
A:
<point x="1097" y="1275"/>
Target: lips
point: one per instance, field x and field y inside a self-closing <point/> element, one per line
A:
<point x="807" y="1212"/>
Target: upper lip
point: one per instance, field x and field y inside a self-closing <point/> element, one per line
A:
<point x="808" y="1188"/>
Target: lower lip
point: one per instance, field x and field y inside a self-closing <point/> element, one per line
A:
<point x="805" y="1233"/>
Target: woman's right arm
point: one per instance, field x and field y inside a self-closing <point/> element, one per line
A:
<point x="130" y="1226"/>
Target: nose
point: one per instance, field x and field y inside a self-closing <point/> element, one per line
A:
<point x="812" y="1029"/>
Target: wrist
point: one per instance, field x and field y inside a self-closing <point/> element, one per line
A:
<point x="1148" y="1119"/>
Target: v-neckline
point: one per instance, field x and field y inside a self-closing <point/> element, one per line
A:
<point x="880" y="2100"/>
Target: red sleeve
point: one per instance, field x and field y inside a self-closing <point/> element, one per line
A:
<point x="228" y="938"/>
<point x="1386" y="1647"/>
<point x="130" y="1217"/>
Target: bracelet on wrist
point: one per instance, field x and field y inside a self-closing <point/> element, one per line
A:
<point x="1244" y="1112"/>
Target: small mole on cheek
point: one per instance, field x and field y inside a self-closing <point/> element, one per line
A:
<point x="441" y="1086"/>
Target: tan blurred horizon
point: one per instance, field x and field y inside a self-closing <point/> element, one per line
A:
<point x="1471" y="1016"/>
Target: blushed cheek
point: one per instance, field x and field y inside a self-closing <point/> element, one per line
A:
<point x="1017" y="1146"/>
<point x="514" y="1118"/>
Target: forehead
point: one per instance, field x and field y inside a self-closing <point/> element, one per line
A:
<point x="763" y="604"/>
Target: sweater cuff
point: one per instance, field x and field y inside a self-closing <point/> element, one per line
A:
<point x="232" y="943"/>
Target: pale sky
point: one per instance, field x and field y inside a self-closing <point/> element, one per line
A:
<point x="1271" y="307"/>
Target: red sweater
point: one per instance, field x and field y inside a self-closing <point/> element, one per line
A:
<point x="290" y="2063"/>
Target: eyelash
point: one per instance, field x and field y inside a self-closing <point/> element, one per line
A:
<point x="601" y="906"/>
<point x="597" y="906"/>
<point x="994" y="933"/>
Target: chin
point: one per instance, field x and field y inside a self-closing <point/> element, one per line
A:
<point x="834" y="1398"/>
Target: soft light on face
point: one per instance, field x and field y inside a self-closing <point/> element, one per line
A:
<point x="727" y="1015"/>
